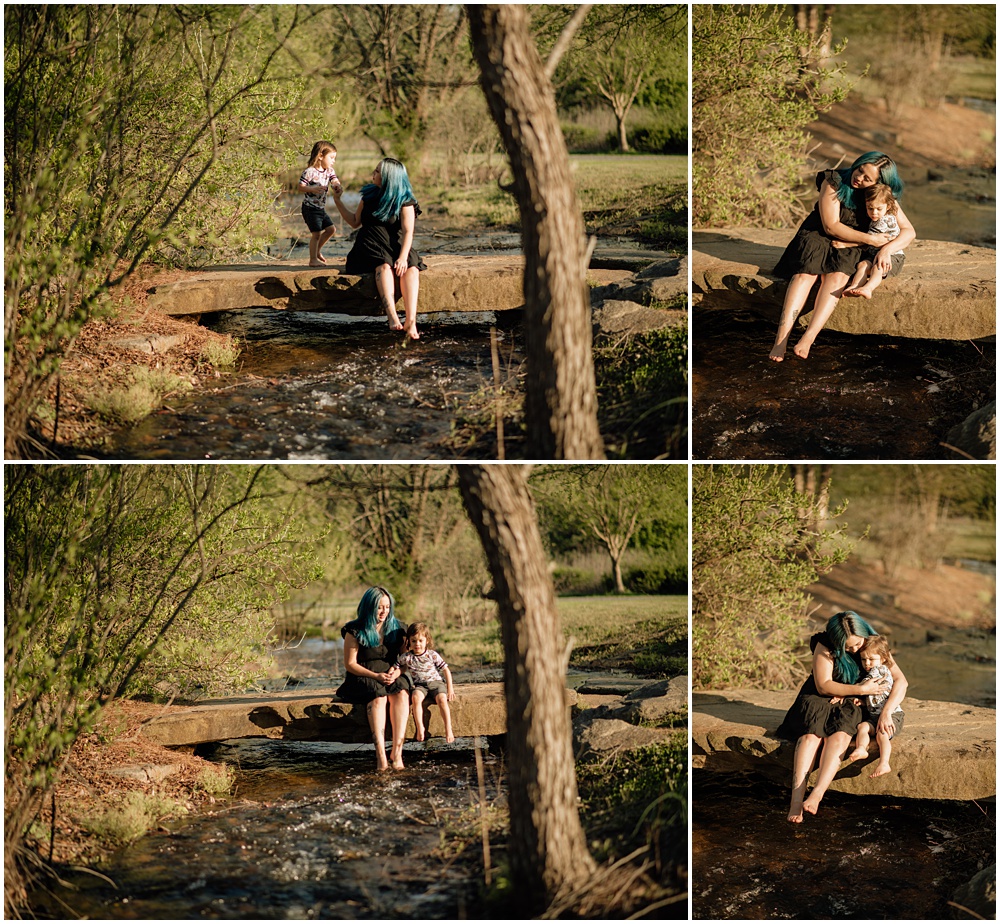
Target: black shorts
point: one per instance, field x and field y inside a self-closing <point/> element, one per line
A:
<point x="898" y="259"/>
<point x="316" y="219"/>
<point x="897" y="720"/>
<point x="433" y="688"/>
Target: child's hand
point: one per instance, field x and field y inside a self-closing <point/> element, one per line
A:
<point x="836" y="700"/>
<point x="338" y="190"/>
<point x="451" y="696"/>
<point x="841" y="245"/>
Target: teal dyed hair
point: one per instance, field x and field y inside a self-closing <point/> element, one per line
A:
<point x="839" y="629"/>
<point x="855" y="198"/>
<point x="394" y="193"/>
<point x="367" y="633"/>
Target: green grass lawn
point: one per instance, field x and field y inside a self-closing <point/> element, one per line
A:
<point x="644" y="635"/>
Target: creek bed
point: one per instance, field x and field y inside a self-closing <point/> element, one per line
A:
<point x="328" y="386"/>
<point x="856" y="397"/>
<point x="858" y="858"/>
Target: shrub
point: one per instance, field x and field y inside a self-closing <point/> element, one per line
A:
<point x="216" y="779"/>
<point x="221" y="353"/>
<point x="130" y="820"/>
<point x="128" y="404"/>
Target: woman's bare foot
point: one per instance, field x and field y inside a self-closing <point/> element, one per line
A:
<point x="795" y="812"/>
<point x="380" y="762"/>
<point x="777" y="355"/>
<point x="411" y="331"/>
<point x="396" y="756"/>
<point x="882" y="769"/>
<point x="858" y="754"/>
<point x="802" y="350"/>
<point x="810" y="805"/>
<point x="395" y="324"/>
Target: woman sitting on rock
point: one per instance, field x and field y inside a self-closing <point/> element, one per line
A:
<point x="825" y="247"/>
<point x="372" y="643"/>
<point x="386" y="216"/>
<point x="824" y="716"/>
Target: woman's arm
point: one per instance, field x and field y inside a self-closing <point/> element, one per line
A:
<point x="407" y="218"/>
<point x="352" y="667"/>
<point x="829" y="214"/>
<point x="906" y="236"/>
<point x="353" y="220"/>
<point x="827" y="686"/>
<point x="899" y="685"/>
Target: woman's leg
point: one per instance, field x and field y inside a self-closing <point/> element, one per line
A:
<point x="831" y="287"/>
<point x="806" y="749"/>
<point x="386" y="285"/>
<point x="376" y="722"/>
<point x="417" y="698"/>
<point x="399" y="711"/>
<point x="829" y="763"/>
<point x="799" y="287"/>
<point x="410" y="284"/>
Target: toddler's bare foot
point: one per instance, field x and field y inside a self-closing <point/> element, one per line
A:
<point x="863" y="292"/>
<point x="317" y="263"/>
<point x="810" y="805"/>
<point x="882" y="769"/>
<point x="852" y="292"/>
<point x="857" y="754"/>
<point x="802" y="350"/>
<point x="321" y="258"/>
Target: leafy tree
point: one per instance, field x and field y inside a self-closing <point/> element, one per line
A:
<point x="751" y="99"/>
<point x="614" y="505"/>
<point x="130" y="132"/>
<point x="751" y="560"/>
<point x="120" y="579"/>
<point x="624" y="51"/>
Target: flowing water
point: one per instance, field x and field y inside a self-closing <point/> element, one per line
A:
<point x="326" y="386"/>
<point x="311" y="832"/>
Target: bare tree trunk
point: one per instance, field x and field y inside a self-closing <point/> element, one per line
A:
<point x="548" y="849"/>
<point x="561" y="396"/>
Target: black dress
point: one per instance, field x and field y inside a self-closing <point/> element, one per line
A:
<point x="379" y="241"/>
<point x="814" y="714"/>
<point x="379" y="659"/>
<point x="811" y="251"/>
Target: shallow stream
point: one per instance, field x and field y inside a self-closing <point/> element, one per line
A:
<point x="328" y="386"/>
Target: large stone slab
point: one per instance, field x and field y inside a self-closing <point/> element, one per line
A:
<point x="945" y="751"/>
<point x="478" y="709"/>
<point x="946" y="291"/>
<point x="451" y="283"/>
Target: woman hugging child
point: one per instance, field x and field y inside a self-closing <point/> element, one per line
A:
<point x="424" y="666"/>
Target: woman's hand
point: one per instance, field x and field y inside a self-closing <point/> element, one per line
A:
<point x="402" y="264"/>
<point x="872" y="686"/>
<point x="878" y="238"/>
<point x="388" y="677"/>
<point x="883" y="260"/>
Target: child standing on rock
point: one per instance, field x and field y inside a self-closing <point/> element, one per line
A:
<point x="425" y="667"/>
<point x="316" y="179"/>
<point x="876" y="660"/>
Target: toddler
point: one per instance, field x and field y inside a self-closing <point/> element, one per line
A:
<point x="881" y="206"/>
<point x="876" y="661"/>
<point x="425" y="667"/>
<point x="316" y="179"/>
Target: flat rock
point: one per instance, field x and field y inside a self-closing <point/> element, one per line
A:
<point x="618" y="317"/>
<point x="146" y="773"/>
<point x="478" y="709"/>
<point x="596" y="735"/>
<point x="945" y="751"/>
<point x="451" y="283"/>
<point x="946" y="291"/>
<point x="155" y="343"/>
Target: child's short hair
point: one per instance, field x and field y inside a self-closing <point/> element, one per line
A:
<point x="419" y="628"/>
<point x="874" y="645"/>
<point x="321" y="149"/>
<point x="880" y="194"/>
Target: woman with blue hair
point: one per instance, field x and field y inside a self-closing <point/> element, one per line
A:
<point x="826" y="246"/>
<point x="372" y="643"/>
<point x="386" y="216"/>
<point x="823" y="715"/>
